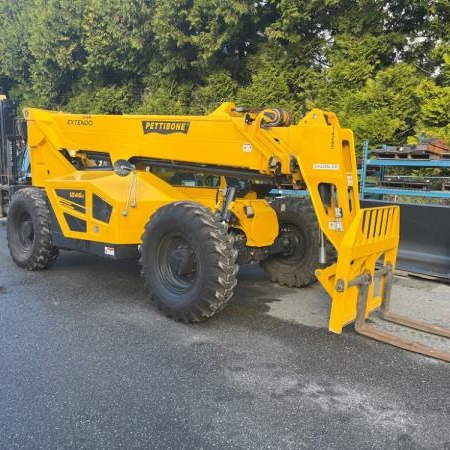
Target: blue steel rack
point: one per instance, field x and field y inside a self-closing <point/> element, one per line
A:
<point x="382" y="164"/>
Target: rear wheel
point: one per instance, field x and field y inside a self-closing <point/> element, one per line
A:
<point x="188" y="262"/>
<point x="28" y="230"/>
<point x="295" y="266"/>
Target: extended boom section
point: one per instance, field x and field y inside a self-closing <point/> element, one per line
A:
<point x="189" y="194"/>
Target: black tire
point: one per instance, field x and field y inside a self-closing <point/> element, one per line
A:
<point x="29" y="232"/>
<point x="298" y="222"/>
<point x="188" y="262"/>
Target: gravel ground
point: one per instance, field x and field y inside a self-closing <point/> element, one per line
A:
<point x="86" y="361"/>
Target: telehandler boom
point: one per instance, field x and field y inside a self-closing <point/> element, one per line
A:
<point x="188" y="195"/>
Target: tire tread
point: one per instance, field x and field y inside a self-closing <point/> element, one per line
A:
<point x="43" y="254"/>
<point x="218" y="291"/>
<point x="276" y="267"/>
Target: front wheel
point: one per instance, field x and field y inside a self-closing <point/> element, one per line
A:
<point x="28" y="230"/>
<point x="296" y="265"/>
<point x="188" y="262"/>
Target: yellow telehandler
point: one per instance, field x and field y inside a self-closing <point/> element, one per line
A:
<point x="188" y="195"/>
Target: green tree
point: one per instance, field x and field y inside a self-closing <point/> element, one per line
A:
<point x="105" y="100"/>
<point x="269" y="81"/>
<point x="383" y="67"/>
<point x="434" y="118"/>
<point x="219" y="87"/>
<point x="384" y="109"/>
<point x="117" y="39"/>
<point x="15" y="57"/>
<point x="56" y="46"/>
<point x="197" y="36"/>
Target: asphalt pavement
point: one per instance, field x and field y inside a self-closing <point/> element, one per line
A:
<point x="86" y="361"/>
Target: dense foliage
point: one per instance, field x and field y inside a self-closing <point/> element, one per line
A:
<point x="382" y="66"/>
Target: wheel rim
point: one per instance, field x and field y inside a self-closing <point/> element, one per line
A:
<point x="297" y="246"/>
<point x="177" y="263"/>
<point x="25" y="232"/>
